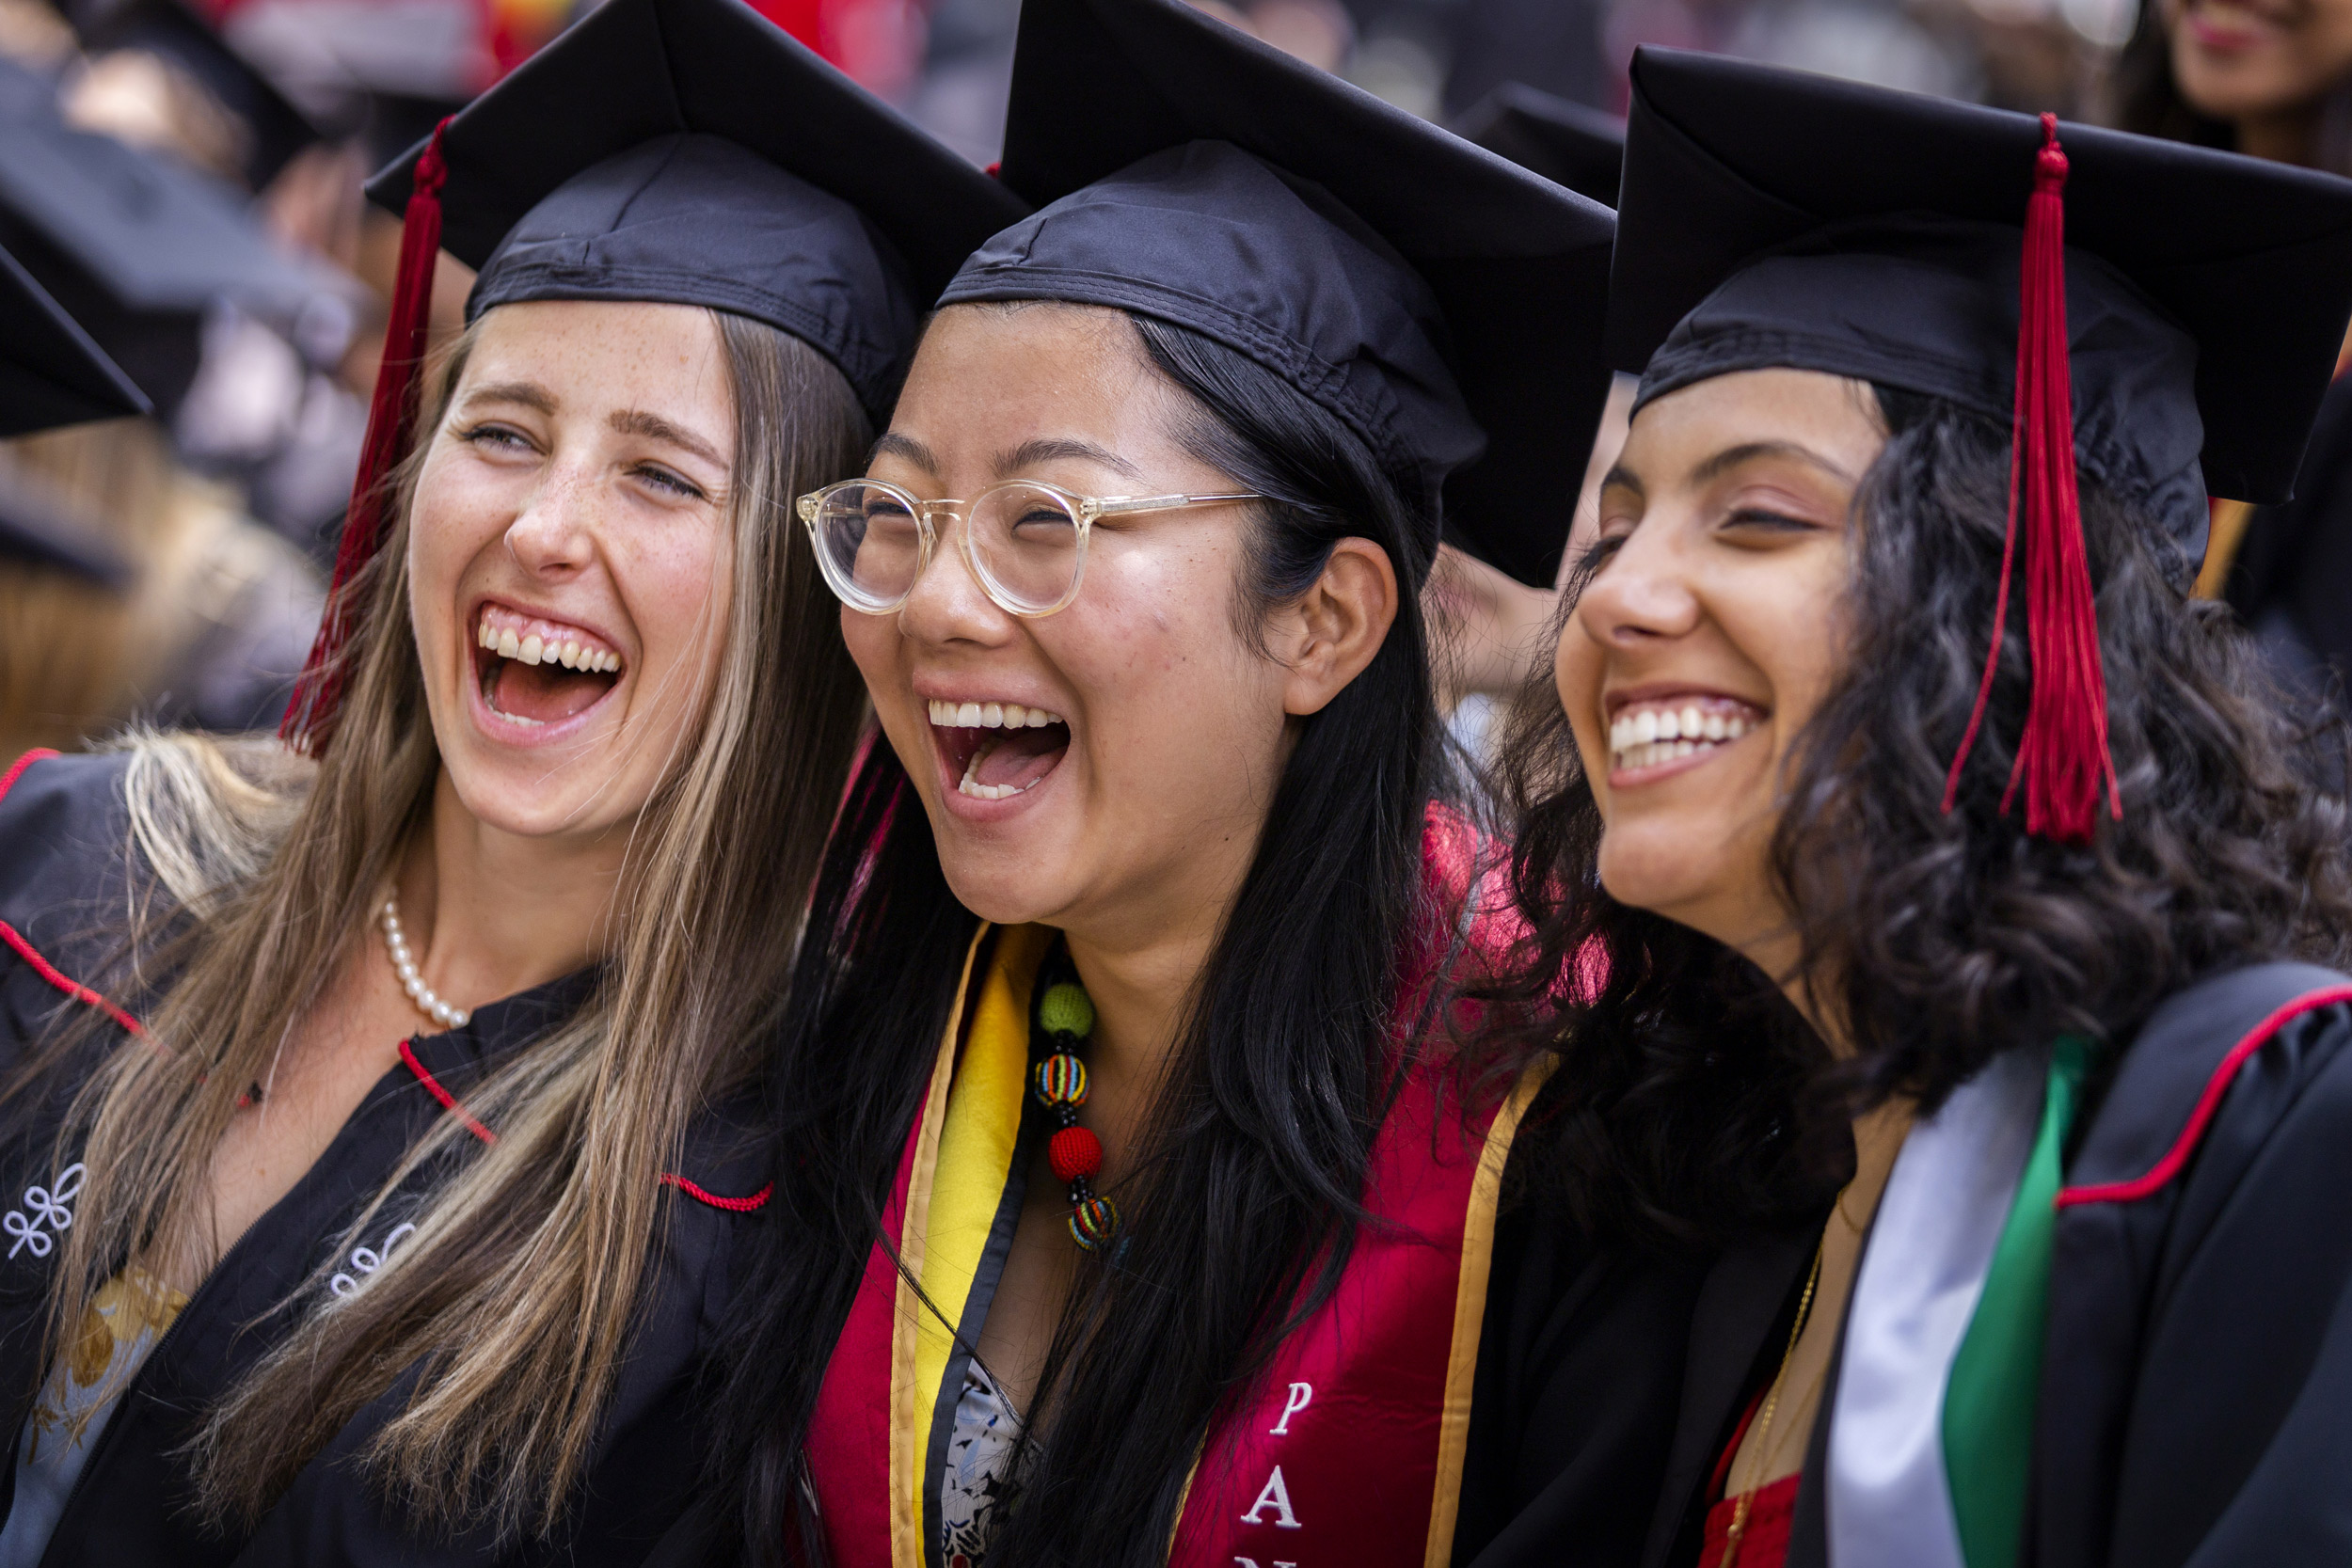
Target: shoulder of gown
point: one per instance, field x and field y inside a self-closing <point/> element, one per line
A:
<point x="2196" y="1383"/>
<point x="66" y="883"/>
<point x="1573" y="1409"/>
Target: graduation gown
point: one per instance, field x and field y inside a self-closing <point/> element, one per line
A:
<point x="2291" y="583"/>
<point x="64" y="865"/>
<point x="2196" y="1360"/>
<point x="1481" y="1384"/>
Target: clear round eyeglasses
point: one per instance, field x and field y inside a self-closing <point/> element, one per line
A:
<point x="1025" y="542"/>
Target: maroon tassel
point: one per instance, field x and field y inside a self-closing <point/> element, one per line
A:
<point x="309" y="721"/>
<point x="2063" y="758"/>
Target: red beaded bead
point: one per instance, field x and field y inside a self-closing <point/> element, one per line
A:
<point x="1074" y="1152"/>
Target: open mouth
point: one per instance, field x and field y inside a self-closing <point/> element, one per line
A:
<point x="995" y="750"/>
<point x="1654" y="732"/>
<point x="534" y="671"/>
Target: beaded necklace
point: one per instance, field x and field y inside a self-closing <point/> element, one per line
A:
<point x="1061" y="1022"/>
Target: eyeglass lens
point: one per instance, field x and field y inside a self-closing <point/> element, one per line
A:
<point x="1024" y="541"/>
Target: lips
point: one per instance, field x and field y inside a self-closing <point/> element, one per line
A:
<point x="993" y="750"/>
<point x="534" y="672"/>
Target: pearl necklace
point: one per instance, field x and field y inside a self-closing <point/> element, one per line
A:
<point x="404" y="964"/>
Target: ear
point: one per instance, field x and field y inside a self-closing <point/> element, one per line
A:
<point x="1326" y="636"/>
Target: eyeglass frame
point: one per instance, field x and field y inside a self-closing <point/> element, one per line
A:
<point x="1084" y="510"/>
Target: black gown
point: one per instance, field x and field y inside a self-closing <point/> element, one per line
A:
<point x="2197" y="1368"/>
<point x="64" y="865"/>
<point x="2292" y="581"/>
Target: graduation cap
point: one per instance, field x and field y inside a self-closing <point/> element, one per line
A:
<point x="51" y="373"/>
<point x="677" y="152"/>
<point x="2165" y="316"/>
<point x="38" y="528"/>
<point x="275" y="129"/>
<point x="138" y="247"/>
<point x="1436" y="298"/>
<point x="1565" y="141"/>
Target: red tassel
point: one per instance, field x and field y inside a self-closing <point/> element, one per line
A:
<point x="309" y="721"/>
<point x="2063" y="758"/>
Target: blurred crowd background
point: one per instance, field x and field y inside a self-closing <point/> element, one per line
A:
<point x="184" y="176"/>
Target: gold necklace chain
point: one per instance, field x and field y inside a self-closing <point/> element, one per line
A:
<point x="1746" y="1500"/>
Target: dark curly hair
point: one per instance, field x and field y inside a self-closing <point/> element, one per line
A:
<point x="1698" y="1102"/>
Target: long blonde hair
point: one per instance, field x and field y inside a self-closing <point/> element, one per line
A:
<point x="514" y="1297"/>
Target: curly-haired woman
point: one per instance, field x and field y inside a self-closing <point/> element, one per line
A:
<point x="1966" y="889"/>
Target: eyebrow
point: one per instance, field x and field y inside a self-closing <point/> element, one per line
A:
<point x="638" y="421"/>
<point x="1622" y="478"/>
<point x="892" y="444"/>
<point x="1731" y="458"/>
<point x="529" y="393"/>
<point x="1030" y="455"/>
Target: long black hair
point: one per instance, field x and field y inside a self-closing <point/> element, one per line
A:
<point x="1702" y="1103"/>
<point x="1245" y="1195"/>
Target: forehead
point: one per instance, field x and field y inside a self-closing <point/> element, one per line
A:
<point x="989" y="378"/>
<point x="1832" y="416"/>
<point x="604" y="351"/>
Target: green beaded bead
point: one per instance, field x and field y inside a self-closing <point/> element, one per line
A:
<point x="1067" y="1010"/>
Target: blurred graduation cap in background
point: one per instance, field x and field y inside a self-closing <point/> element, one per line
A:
<point x="1568" y="143"/>
<point x="1437" y="299"/>
<point x="272" y="129"/>
<point x="138" y="247"/>
<point x="52" y="374"/>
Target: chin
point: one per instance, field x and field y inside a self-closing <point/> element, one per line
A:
<point x="1657" y="868"/>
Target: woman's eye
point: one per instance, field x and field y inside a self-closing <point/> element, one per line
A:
<point x="495" y="437"/>
<point x="1765" y="519"/>
<point x="670" y="482"/>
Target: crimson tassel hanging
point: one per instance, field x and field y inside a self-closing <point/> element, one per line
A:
<point x="2062" y="757"/>
<point x="309" y="721"/>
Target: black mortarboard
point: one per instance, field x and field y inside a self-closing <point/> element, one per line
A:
<point x="1565" y="141"/>
<point x="1775" y="218"/>
<point x="173" y="32"/>
<point x="51" y="373"/>
<point x="1433" y="296"/>
<point x="672" y="151"/>
<point x="691" y="151"/>
<point x="2165" y="315"/>
<point x="136" y="247"/>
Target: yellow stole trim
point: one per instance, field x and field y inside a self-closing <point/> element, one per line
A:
<point x="962" y="1163"/>
<point x="1470" y="1312"/>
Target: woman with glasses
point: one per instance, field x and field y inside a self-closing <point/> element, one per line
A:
<point x="1970" y="909"/>
<point x="1139" y="1205"/>
<point x="378" y="1129"/>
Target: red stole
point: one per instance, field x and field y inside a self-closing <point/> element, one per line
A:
<point x="1350" y="1448"/>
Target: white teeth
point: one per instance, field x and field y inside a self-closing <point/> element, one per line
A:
<point x="485" y="636"/>
<point x="509" y="646"/>
<point x="568" y="656"/>
<point x="1649" y="737"/>
<point x="989" y="716"/>
<point x="530" y="650"/>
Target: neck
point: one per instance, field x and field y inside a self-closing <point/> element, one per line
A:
<point x="2286" y="136"/>
<point x="490" y="913"/>
<point x="1139" y="986"/>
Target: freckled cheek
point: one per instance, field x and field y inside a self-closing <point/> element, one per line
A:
<point x="674" y="587"/>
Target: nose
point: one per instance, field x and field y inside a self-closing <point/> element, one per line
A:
<point x="1643" y="595"/>
<point x="947" y="603"/>
<point x="554" y="534"/>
